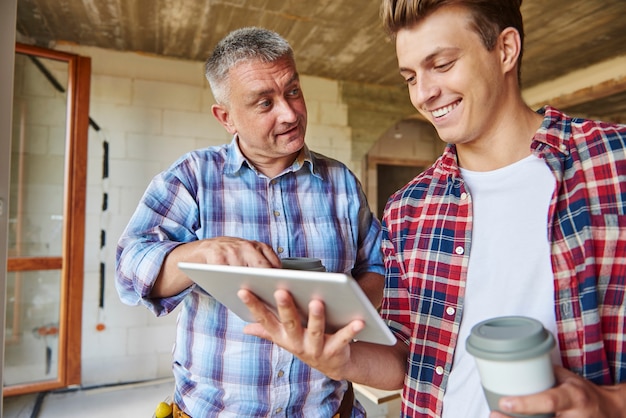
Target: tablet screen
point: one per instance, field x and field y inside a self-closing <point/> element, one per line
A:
<point x="344" y="300"/>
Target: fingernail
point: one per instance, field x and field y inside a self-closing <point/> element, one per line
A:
<point x="506" y="404"/>
<point x="243" y="296"/>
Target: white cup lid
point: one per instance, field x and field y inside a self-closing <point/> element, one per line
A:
<point x="509" y="338"/>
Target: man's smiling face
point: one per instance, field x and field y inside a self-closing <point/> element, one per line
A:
<point x="453" y="80"/>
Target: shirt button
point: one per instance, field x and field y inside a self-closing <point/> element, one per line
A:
<point x="450" y="310"/>
<point x="459" y="250"/>
<point x="279" y="410"/>
<point x="280" y="250"/>
<point x="281" y="373"/>
<point x="439" y="370"/>
<point x="463" y="196"/>
<point x="563" y="147"/>
<point x="276" y="213"/>
<point x="565" y="310"/>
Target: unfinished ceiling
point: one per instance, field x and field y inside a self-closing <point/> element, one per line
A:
<point x="336" y="39"/>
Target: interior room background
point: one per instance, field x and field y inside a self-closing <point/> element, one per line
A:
<point x="146" y="111"/>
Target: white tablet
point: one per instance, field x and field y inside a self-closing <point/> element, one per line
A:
<point x="343" y="298"/>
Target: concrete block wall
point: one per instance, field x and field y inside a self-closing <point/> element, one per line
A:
<point x="371" y="111"/>
<point x="151" y="110"/>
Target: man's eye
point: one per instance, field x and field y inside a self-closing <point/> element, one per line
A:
<point x="410" y="80"/>
<point x="294" y="92"/>
<point x="445" y="66"/>
<point x="265" y="103"/>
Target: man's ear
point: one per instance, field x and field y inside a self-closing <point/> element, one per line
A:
<point x="510" y="46"/>
<point x="222" y="115"/>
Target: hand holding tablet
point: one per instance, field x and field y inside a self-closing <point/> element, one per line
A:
<point x="343" y="298"/>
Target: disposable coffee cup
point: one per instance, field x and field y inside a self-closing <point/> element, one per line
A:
<point x="303" y="263"/>
<point x="512" y="355"/>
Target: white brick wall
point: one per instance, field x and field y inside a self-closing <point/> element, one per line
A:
<point x="320" y="89"/>
<point x="193" y="124"/>
<point x="111" y="89"/>
<point x="166" y="95"/>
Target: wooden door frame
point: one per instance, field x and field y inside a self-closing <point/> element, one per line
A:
<point x="71" y="263"/>
<point x="371" y="173"/>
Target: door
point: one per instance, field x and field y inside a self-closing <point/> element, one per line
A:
<point x="46" y="220"/>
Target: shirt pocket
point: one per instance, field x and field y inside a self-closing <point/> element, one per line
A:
<point x="329" y="239"/>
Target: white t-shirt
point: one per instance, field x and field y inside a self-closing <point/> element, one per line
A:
<point x="509" y="269"/>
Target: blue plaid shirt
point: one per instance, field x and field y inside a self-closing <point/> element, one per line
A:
<point x="315" y="208"/>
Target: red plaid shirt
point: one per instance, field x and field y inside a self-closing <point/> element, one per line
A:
<point x="427" y="241"/>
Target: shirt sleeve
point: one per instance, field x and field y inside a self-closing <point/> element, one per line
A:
<point x="166" y="217"/>
<point x="396" y="305"/>
<point x="369" y="254"/>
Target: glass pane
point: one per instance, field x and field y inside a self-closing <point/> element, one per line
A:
<point x="32" y="327"/>
<point x="38" y="157"/>
<point x="36" y="219"/>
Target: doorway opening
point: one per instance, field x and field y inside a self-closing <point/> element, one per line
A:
<point x="406" y="149"/>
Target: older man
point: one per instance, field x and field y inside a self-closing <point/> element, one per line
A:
<point x="262" y="197"/>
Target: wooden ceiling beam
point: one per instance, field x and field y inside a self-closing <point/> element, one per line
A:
<point x="595" y="82"/>
<point x="599" y="91"/>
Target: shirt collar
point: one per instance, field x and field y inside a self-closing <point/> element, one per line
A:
<point x="236" y="161"/>
<point x="448" y="162"/>
<point x="553" y="133"/>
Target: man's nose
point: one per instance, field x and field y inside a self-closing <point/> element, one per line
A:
<point x="286" y="111"/>
<point x="424" y="90"/>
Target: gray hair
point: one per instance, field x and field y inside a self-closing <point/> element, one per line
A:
<point x="245" y="44"/>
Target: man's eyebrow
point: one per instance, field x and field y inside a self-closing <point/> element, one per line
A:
<point x="294" y="79"/>
<point x="431" y="57"/>
<point x="255" y="94"/>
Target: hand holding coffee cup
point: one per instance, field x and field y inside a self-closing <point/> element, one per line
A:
<point x="512" y="355"/>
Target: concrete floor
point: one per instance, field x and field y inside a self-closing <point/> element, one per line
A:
<point x="137" y="400"/>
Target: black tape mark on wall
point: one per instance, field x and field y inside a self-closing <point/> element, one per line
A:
<point x="55" y="83"/>
<point x="105" y="165"/>
<point x="101" y="301"/>
<point x="105" y="159"/>
<point x="105" y="206"/>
